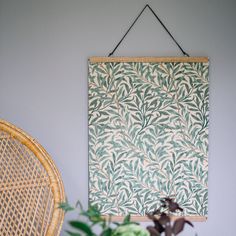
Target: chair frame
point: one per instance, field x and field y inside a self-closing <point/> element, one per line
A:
<point x="56" y="183"/>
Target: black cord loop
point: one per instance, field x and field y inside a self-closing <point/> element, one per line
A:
<point x="147" y="6"/>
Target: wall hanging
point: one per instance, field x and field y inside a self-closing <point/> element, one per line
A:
<point x="148" y="133"/>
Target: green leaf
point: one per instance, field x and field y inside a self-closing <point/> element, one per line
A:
<point x="72" y="233"/>
<point x="82" y="227"/>
<point x="126" y="219"/>
<point x="65" y="206"/>
<point x="93" y="214"/>
<point x="107" y="232"/>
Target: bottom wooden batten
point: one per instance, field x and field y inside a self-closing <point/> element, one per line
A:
<point x="146" y="219"/>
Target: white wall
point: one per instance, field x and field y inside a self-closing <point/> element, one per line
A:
<point x="44" y="47"/>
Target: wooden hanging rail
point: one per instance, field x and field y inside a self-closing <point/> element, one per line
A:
<point x="147" y="59"/>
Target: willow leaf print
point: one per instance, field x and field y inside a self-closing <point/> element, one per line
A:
<point x="148" y="135"/>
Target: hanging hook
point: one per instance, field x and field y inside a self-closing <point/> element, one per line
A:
<point x="147" y="6"/>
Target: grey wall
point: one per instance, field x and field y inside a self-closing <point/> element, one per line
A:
<point x="44" y="47"/>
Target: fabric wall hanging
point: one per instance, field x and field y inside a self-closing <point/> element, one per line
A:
<point x="148" y="134"/>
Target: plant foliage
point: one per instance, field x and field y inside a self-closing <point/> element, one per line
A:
<point x="92" y="218"/>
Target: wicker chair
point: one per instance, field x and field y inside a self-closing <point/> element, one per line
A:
<point x="30" y="186"/>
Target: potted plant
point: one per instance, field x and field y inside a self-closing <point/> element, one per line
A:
<point x="92" y="219"/>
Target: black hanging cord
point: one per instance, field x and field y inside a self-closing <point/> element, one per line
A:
<point x="147" y="6"/>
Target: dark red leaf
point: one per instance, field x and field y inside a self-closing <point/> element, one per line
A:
<point x="168" y="230"/>
<point x="178" y="226"/>
<point x="153" y="231"/>
<point x="188" y="222"/>
<point x="156" y="212"/>
<point x="164" y="219"/>
<point x="180" y="208"/>
<point x="168" y="200"/>
<point x="157" y="224"/>
<point x="173" y="206"/>
<point x="163" y="203"/>
<point x="151" y="217"/>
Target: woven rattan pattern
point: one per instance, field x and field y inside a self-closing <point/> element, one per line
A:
<point x="27" y="197"/>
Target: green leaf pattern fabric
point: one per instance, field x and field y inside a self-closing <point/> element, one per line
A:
<point x="148" y="136"/>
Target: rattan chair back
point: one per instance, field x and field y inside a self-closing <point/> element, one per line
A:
<point x="30" y="186"/>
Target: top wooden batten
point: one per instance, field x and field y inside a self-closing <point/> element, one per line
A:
<point x="147" y="59"/>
